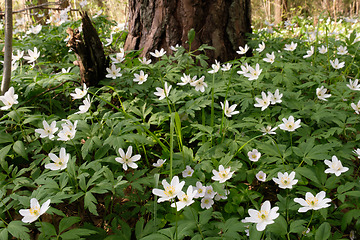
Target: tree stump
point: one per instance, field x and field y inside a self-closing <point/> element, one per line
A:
<point x="89" y="51"/>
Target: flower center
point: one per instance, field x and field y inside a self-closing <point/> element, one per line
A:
<point x="169" y="191"/>
<point x="263" y="215"/>
<point x="312" y="201"/>
<point x="35" y="211"/>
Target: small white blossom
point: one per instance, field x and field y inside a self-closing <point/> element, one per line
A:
<point x="144" y="61"/>
<point x="261" y="47"/>
<point x="309" y="53"/>
<point x="323" y="49"/>
<point x="162" y="93"/>
<point x="356" y="107"/>
<point x="33" y="55"/>
<point x="243" y="50"/>
<point x="336" y="64"/>
<point x="199" y="84"/>
<point x="9" y="99"/>
<point x="264" y="217"/>
<point x="253" y="74"/>
<point x="321" y="93"/>
<point x="140" y="78"/>
<point x="290" y="124"/>
<point x="126" y="159"/>
<point x="206" y="202"/>
<point x="285" y="180"/>
<point x="215" y="67"/>
<point x="188" y="172"/>
<point x="159" y="163"/>
<point x="201" y="190"/>
<point x="229" y="110"/>
<point x="335" y="166"/>
<point x="158" y="53"/>
<point x="313" y="203"/>
<point x="263" y="102"/>
<point x="270" y="58"/>
<point x="261" y="176"/>
<point x="290" y="47"/>
<point x="185" y="199"/>
<point x="170" y="190"/>
<point x="79" y="93"/>
<point x="35" y="211"/>
<point x="268" y="130"/>
<point x="48" y="130"/>
<point x="254" y="155"/>
<point x="222" y="175"/>
<point x="84" y="108"/>
<point x="59" y="163"/>
<point x="342" y="50"/>
<point x="354" y="85"/>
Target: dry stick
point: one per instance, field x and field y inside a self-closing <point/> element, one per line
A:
<point x="43" y="5"/>
<point x="50" y="89"/>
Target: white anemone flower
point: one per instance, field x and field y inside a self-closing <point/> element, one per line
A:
<point x="285" y="180"/>
<point x="79" y="93"/>
<point x="185" y="199"/>
<point x="159" y="163"/>
<point x="276" y="97"/>
<point x="170" y="190"/>
<point x="290" y="47"/>
<point x="188" y="172"/>
<point x="243" y="50"/>
<point x="270" y="58"/>
<point x="354" y="85"/>
<point x="253" y="74"/>
<point x="228" y="110"/>
<point x="200" y="190"/>
<point x="312" y="202"/>
<point x="206" y="202"/>
<point x="254" y="155"/>
<point x="9" y="99"/>
<point x="290" y="124"/>
<point x="342" y="50"/>
<point x="215" y="67"/>
<point x="113" y="72"/>
<point x="357" y="152"/>
<point x="226" y="67"/>
<point x="48" y="130"/>
<point x="309" y="53"/>
<point x="126" y="159"/>
<point x="33" y="55"/>
<point x="263" y="102"/>
<point x="209" y="192"/>
<point x="268" y="130"/>
<point x="199" y="84"/>
<point x="140" y="78"/>
<point x="261" y="47"/>
<point x="222" y="175"/>
<point x="336" y="64"/>
<point x="261" y="176"/>
<point x="264" y="217"/>
<point x="356" y="107"/>
<point x="321" y="93"/>
<point x="244" y="69"/>
<point x="163" y="92"/>
<point x="84" y="108"/>
<point x="119" y="58"/>
<point x="335" y="166"/>
<point x="323" y="49"/>
<point x="144" y="61"/>
<point x="59" y="163"/>
<point x="35" y="211"/>
<point x="158" y="53"/>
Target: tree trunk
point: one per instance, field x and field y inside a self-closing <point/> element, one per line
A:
<point x="8" y="47"/>
<point x="277" y="11"/>
<point x="90" y="52"/>
<point x="156" y="24"/>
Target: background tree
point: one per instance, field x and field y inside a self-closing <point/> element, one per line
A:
<point x="223" y="24"/>
<point x="8" y="47"/>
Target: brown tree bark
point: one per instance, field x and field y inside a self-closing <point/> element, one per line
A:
<point x="90" y="52"/>
<point x="277" y="11"/>
<point x="8" y="47"/>
<point x="156" y="24"/>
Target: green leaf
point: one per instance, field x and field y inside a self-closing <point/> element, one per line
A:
<point x="191" y="35"/>
<point x="89" y="202"/>
<point x="67" y="222"/>
<point x="139" y="227"/>
<point x="4" y="234"/>
<point x="205" y="216"/>
<point x="47" y="228"/>
<point x="5" y="137"/>
<point x="18" y="230"/>
<point x="323" y="232"/>
<point x="297" y="226"/>
<point x="4" y="151"/>
<point x="77" y="233"/>
<point x="19" y="148"/>
<point x="279" y="227"/>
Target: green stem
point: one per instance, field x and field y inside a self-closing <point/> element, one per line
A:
<point x="307" y="227"/>
<point x="171" y="144"/>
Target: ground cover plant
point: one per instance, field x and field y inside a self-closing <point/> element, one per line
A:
<point x="262" y="147"/>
